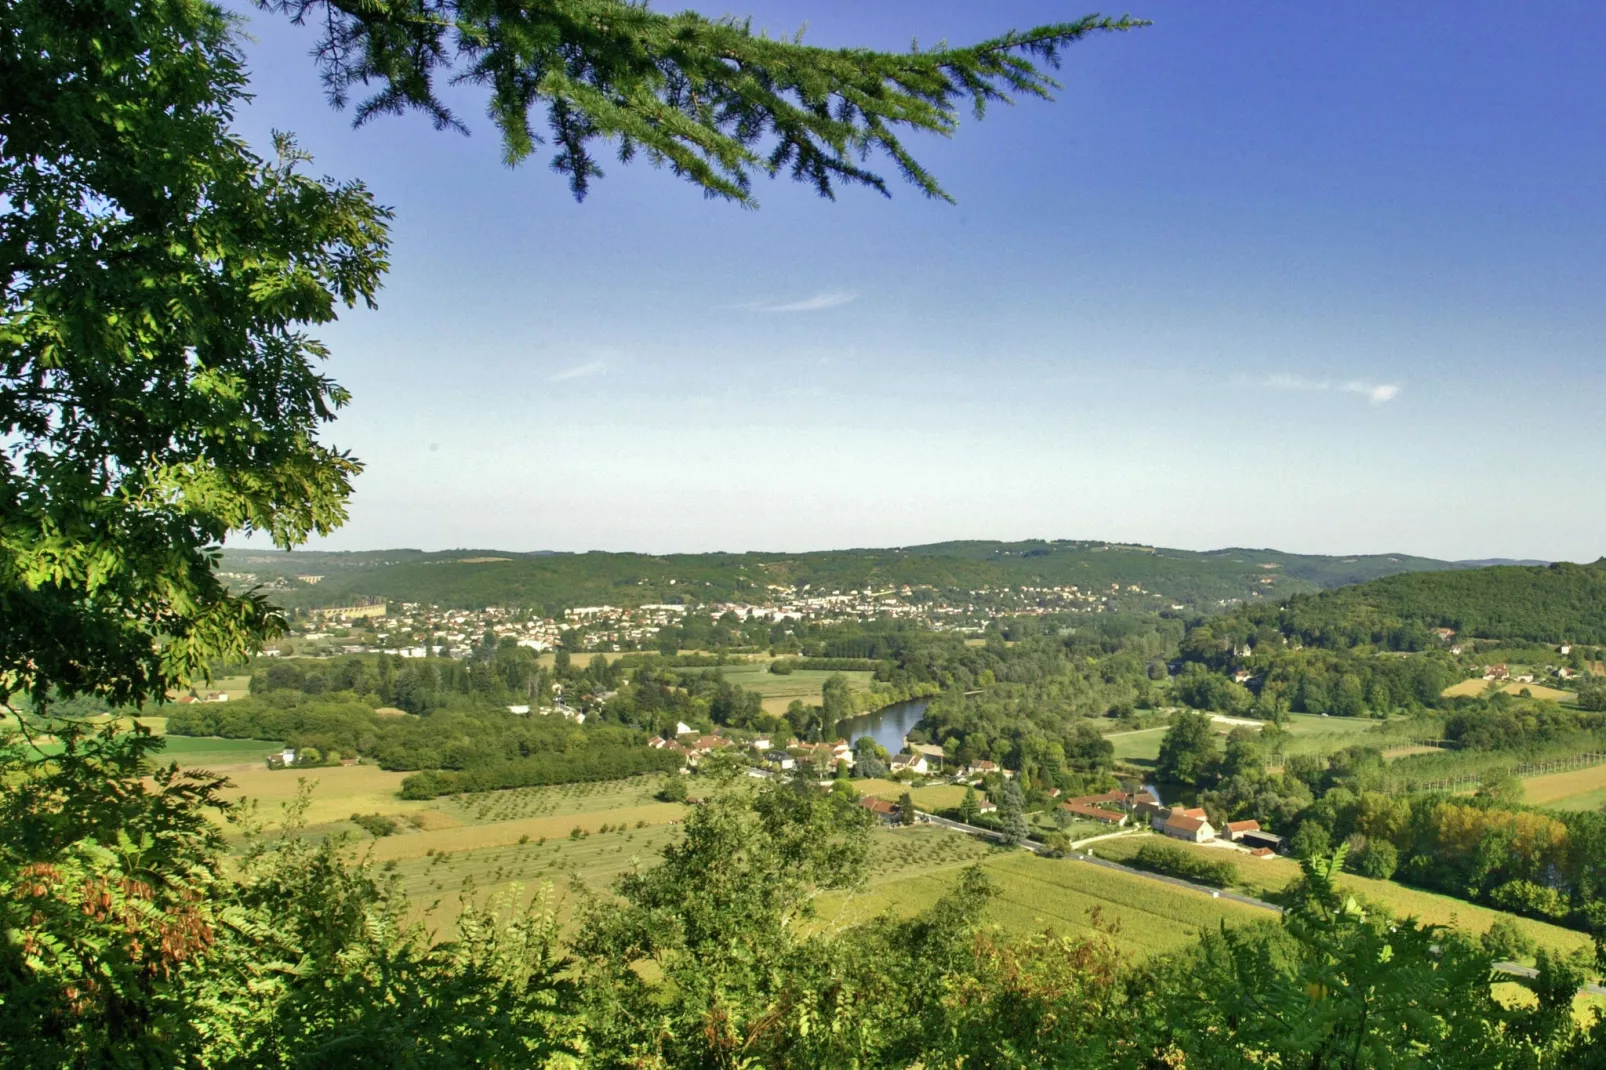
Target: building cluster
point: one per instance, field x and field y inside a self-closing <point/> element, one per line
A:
<point x="413" y="630"/>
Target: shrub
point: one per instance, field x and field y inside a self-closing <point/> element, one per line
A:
<point x="1506" y="941"/>
<point x="375" y="824"/>
<point x="1534" y="900"/>
<point x="1173" y="861"/>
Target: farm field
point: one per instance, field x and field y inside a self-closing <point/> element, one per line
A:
<point x="1265" y="877"/>
<point x="912" y="868"/>
<point x="1581" y="789"/>
<point x="338" y="791"/>
<point x="778" y="692"/>
<point x="197" y="752"/>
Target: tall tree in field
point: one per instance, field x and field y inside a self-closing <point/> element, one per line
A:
<point x="1012" y="811"/>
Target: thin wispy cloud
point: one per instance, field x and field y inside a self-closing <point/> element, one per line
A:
<point x="818" y="303"/>
<point x="580" y="371"/>
<point x="1375" y="393"/>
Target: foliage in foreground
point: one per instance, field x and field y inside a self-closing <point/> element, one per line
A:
<point x="131" y="940"/>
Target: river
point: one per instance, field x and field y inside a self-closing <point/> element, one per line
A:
<point x="887" y="726"/>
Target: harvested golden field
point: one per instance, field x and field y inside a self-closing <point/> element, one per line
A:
<point x="1475" y="687"/>
<point x="337" y="792"/>
<point x="1466" y="689"/>
<point x="1540" y="691"/>
<point x="1581" y="789"/>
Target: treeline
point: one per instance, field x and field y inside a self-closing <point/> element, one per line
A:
<point x="496" y="674"/>
<point x="1338" y="683"/>
<point x="598" y="762"/>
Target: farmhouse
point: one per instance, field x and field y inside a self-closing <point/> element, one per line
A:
<point x="1235" y="829"/>
<point x="781" y="760"/>
<point x="881" y="808"/>
<point x="1185" y="824"/>
<point x="933" y="753"/>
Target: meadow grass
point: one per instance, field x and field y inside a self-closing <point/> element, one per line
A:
<point x="1137" y="748"/>
<point x="439" y="884"/>
<point x="337" y="792"/>
<point x="195" y="752"/>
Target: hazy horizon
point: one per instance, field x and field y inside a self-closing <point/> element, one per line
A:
<point x="323" y="547"/>
<point x="1292" y="276"/>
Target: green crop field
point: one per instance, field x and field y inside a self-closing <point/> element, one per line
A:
<point x="1267" y="877"/>
<point x="193" y="752"/>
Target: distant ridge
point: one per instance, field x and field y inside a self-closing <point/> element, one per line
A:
<point x="1166" y="579"/>
<point x="1491" y="562"/>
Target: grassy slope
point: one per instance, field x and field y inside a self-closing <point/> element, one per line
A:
<point x="1267" y="877"/>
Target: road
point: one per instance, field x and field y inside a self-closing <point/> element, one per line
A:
<point x="1510" y="968"/>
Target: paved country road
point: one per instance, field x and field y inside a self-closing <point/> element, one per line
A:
<point x="1035" y="847"/>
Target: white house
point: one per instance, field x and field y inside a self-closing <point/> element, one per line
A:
<point x="914" y="763"/>
<point x="289" y="756"/>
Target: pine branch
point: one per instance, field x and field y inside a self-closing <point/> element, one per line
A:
<point x="706" y="97"/>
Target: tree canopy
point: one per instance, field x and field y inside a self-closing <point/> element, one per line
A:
<point x="708" y="98"/>
<point x="157" y="386"/>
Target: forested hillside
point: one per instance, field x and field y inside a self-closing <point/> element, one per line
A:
<point x="476" y="578"/>
<point x="1553" y="604"/>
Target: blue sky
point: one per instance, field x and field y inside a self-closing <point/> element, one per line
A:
<point x="1327" y="278"/>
